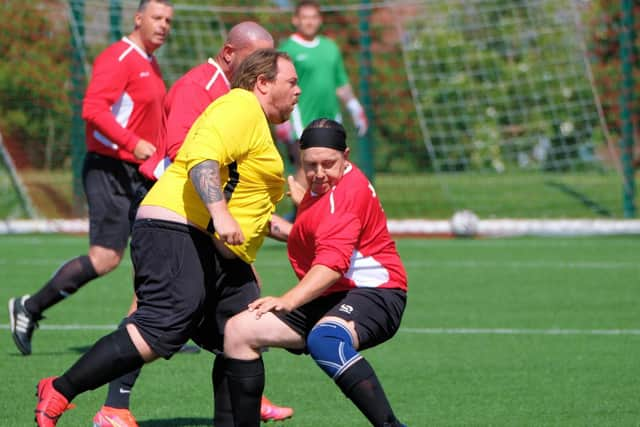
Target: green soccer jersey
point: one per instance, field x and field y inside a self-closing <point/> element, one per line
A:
<point x="320" y="70"/>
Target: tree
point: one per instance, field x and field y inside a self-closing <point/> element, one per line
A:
<point x="34" y="71"/>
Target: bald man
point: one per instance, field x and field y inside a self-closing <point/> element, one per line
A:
<point x="189" y="96"/>
<point x="199" y="87"/>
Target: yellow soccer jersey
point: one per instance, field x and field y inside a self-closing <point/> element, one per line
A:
<point x="233" y="131"/>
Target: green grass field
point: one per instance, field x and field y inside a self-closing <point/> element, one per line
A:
<point x="504" y="332"/>
<point x="532" y="194"/>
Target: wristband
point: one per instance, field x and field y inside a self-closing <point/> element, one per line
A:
<point x="354" y="107"/>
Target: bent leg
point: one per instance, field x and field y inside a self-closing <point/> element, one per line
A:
<point x="104" y="259"/>
<point x="119" y="393"/>
<point x="110" y="357"/>
<point x="70" y="276"/>
<point x="332" y="345"/>
<point x="245" y="336"/>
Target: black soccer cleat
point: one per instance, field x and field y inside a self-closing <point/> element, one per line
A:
<point x="22" y="324"/>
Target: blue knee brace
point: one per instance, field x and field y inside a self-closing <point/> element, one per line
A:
<point x="331" y="346"/>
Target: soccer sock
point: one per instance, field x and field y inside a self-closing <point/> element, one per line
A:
<point x="246" y="384"/>
<point x="110" y="357"/>
<point x="67" y="279"/>
<point x="120" y="388"/>
<point x="360" y="384"/>
<point x="222" y="411"/>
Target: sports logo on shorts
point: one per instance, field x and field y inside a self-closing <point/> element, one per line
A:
<point x="346" y="308"/>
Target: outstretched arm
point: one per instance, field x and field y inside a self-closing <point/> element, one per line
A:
<point x="279" y="228"/>
<point x="312" y="285"/>
<point x="345" y="93"/>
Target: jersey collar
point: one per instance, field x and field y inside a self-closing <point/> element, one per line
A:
<point x="306" y="43"/>
<point x="215" y="64"/>
<point x="137" y="48"/>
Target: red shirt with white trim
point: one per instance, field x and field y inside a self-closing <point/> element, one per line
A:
<point x="123" y="102"/>
<point x="189" y="96"/>
<point x="345" y="229"/>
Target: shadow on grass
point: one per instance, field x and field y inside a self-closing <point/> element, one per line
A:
<point x="580" y="197"/>
<point x="80" y="349"/>
<point x="177" y="422"/>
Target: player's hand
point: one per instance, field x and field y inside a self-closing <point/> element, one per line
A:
<point x="283" y="132"/>
<point x="296" y="190"/>
<point x="144" y="150"/>
<point x="228" y="229"/>
<point x="361" y="122"/>
<point x="266" y="304"/>
<point x="358" y="116"/>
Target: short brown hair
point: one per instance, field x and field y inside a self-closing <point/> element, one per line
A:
<point x="261" y="62"/>
<point x="307" y="3"/>
<point x="143" y="4"/>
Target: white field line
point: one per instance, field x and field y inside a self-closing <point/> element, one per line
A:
<point x="512" y="331"/>
<point x="423" y="331"/>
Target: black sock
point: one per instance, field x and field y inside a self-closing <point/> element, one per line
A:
<point x="222" y="411"/>
<point x="70" y="277"/>
<point x="246" y="384"/>
<point x="120" y="389"/>
<point x="110" y="357"/>
<point x="360" y="384"/>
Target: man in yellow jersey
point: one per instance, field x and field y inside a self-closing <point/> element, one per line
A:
<point x="226" y="180"/>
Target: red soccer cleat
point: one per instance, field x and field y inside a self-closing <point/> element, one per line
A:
<point x="271" y="412"/>
<point x="114" y="417"/>
<point x="51" y="404"/>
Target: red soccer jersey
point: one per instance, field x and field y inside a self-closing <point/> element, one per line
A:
<point x="345" y="229"/>
<point x="189" y="96"/>
<point x="123" y="103"/>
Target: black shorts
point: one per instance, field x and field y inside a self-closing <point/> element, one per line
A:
<point x="376" y="313"/>
<point x="112" y="188"/>
<point x="235" y="287"/>
<point x="185" y="289"/>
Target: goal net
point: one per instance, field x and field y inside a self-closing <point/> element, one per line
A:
<point x="14" y="199"/>
<point x="484" y="105"/>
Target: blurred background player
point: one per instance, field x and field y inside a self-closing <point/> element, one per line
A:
<point x="123" y="113"/>
<point x="188" y="97"/>
<point x="323" y="80"/>
<point x="351" y="293"/>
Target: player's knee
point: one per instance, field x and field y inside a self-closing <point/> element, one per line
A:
<point x="331" y="346"/>
<point x="235" y="331"/>
<point x="104" y="260"/>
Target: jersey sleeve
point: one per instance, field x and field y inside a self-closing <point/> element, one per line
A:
<point x="108" y="82"/>
<point x="187" y="104"/>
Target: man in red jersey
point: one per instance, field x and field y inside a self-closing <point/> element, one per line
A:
<point x="188" y="97"/>
<point x="352" y="289"/>
<point x="199" y="87"/>
<point x="123" y="112"/>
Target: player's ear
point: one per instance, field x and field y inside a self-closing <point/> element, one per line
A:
<point x="346" y="153"/>
<point x="227" y="53"/>
<point x="262" y="84"/>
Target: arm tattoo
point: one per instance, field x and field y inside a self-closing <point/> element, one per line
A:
<point x="205" y="177"/>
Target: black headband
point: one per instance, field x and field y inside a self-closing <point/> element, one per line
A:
<point x="324" y="137"/>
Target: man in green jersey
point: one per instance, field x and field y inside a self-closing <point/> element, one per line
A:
<point x="322" y="78"/>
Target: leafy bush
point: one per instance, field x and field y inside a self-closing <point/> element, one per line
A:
<point x="34" y="105"/>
